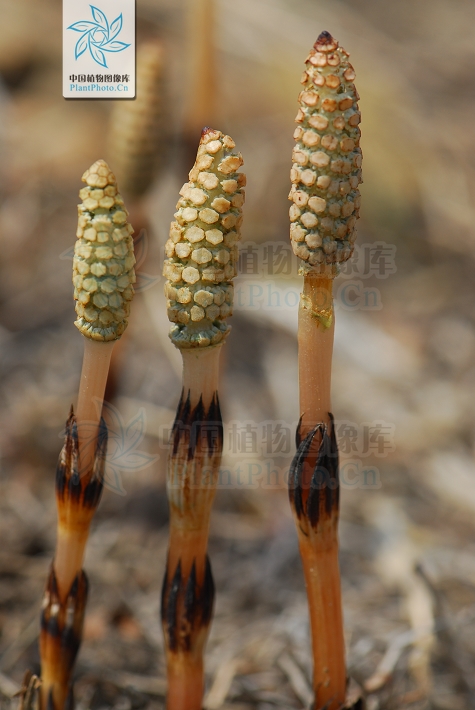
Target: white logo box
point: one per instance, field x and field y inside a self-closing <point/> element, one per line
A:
<point x="99" y="49"/>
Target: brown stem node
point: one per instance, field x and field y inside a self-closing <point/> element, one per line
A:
<point x="314" y="488"/>
<point x="197" y="431"/>
<point x="186" y="608"/>
<point x="60" y="638"/>
<point x="72" y="487"/>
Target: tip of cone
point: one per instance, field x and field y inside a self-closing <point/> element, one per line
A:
<point x="209" y="134"/>
<point x="325" y="41"/>
<point x="324" y="37"/>
<point x="100" y="167"/>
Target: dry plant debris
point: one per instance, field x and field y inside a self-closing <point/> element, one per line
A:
<point x="103" y="270"/>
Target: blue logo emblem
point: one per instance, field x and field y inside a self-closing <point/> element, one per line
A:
<point x="98" y="36"/>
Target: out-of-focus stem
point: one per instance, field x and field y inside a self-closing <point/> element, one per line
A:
<point x="201" y="104"/>
<point x="138" y="129"/>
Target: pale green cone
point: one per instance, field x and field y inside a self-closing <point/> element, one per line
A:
<point x="202" y="248"/>
<point x="103" y="271"/>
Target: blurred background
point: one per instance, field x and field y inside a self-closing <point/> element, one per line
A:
<point x="404" y="370"/>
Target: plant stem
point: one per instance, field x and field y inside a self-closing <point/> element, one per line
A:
<point x="322" y="579"/>
<point x="73" y="531"/>
<point x="188" y="589"/>
<point x="138" y="129"/>
<point x="95" y="369"/>
<point x="103" y="291"/>
<point x="201" y="373"/>
<point x="326" y="203"/>
<point x="189" y="694"/>
<point x="315" y="351"/>
<point x="315" y="502"/>
<point x="200" y="298"/>
<point x="201" y="83"/>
